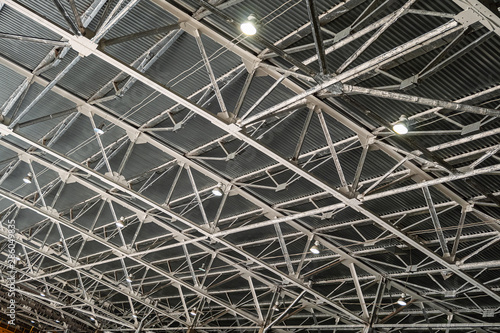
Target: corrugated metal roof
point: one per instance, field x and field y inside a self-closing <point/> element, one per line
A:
<point x="182" y="70"/>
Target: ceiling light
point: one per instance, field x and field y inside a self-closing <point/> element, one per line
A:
<point x="401" y="300"/>
<point x="134" y="316"/>
<point x="401" y="127"/>
<point x="202" y="268"/>
<point x="99" y="129"/>
<point x="58" y="321"/>
<point x="129" y="278"/>
<point x="28" y="178"/>
<point x="249" y="27"/>
<point x="217" y="191"/>
<point x="315" y="248"/>
<point x="120" y="223"/>
<point x="276" y="306"/>
<point x="92" y="318"/>
<point x="42" y="293"/>
<point x="32" y="321"/>
<point x="192" y="312"/>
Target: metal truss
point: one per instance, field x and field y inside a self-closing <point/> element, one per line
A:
<point x="271" y="271"/>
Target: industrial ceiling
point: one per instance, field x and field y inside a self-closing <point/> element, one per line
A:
<point x="166" y="172"/>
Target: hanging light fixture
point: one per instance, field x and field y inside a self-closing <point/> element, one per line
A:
<point x="92" y="318"/>
<point x="43" y="291"/>
<point x="134" y="316"/>
<point x="276" y="306"/>
<point x="121" y="222"/>
<point x="401" y="300"/>
<point x="28" y="178"/>
<point x="192" y="312"/>
<point x="315" y="248"/>
<point x="217" y="191"/>
<point x="202" y="268"/>
<point x="129" y="278"/>
<point x="99" y="129"/>
<point x="249" y="27"/>
<point x="401" y="127"/>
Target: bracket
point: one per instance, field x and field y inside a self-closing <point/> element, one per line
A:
<point x="410" y="82"/>
<point x="83" y="46"/>
<point x="467" y="17"/>
<point x="342" y="34"/>
<point x="335" y="89"/>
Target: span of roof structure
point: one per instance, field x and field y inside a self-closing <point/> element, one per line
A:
<point x="161" y="171"/>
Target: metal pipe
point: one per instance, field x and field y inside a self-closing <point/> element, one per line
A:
<point x="436" y="181"/>
<point x="47" y="117"/>
<point x="318" y="39"/>
<point x="52" y="83"/>
<point x="34" y="40"/>
<point x="348" y="89"/>
<point x="283" y="314"/>
<point x="396" y="52"/>
<point x="151" y="32"/>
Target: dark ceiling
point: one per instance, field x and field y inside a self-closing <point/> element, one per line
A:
<point x="226" y="158"/>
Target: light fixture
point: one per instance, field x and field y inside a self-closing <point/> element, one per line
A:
<point x="32" y="321"/>
<point x="28" y="178"/>
<point x="202" y="268"/>
<point x="99" y="129"/>
<point x="121" y="222"/>
<point x="276" y="306"/>
<point x="192" y="312"/>
<point x="58" y="321"/>
<point x="42" y="293"/>
<point x="249" y="27"/>
<point x="134" y="316"/>
<point x="315" y="248"/>
<point x="401" y="127"/>
<point x="92" y="318"/>
<point x="401" y="300"/>
<point x="129" y="279"/>
<point x="217" y="191"/>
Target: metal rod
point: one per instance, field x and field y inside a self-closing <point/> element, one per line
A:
<point x="48" y="117"/>
<point x="211" y="74"/>
<point x="66" y="16"/>
<point x="395" y="16"/>
<point x="333" y="152"/>
<point x="303" y="133"/>
<point x="277" y="320"/>
<point x="137" y="35"/>
<point x="34" y="40"/>
<point x="76" y="15"/>
<point x="435" y="221"/>
<point x="316" y="31"/>
<point x="47" y="88"/>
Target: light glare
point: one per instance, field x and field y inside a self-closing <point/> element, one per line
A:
<point x="248" y="28"/>
<point x="217" y="191"/>
<point x="400" y="128"/>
